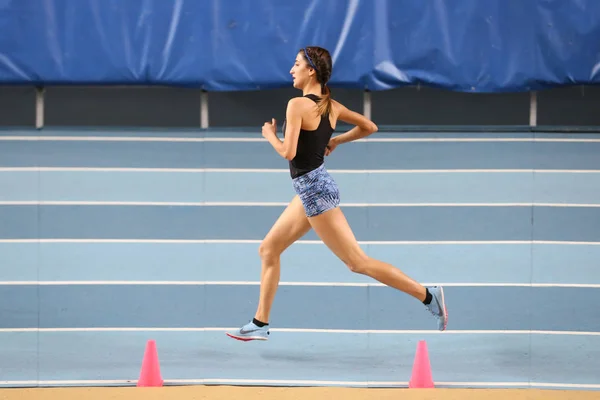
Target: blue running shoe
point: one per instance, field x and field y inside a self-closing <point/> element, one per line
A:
<point x="438" y="306"/>
<point x="250" y="331"/>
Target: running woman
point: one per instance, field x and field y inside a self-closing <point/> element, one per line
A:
<point x="308" y="128"/>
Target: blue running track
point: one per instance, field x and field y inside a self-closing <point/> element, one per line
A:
<point x="109" y="239"/>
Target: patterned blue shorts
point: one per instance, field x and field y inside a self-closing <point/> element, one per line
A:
<point x="317" y="191"/>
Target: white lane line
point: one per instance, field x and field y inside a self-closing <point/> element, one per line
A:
<point x="261" y="139"/>
<point x="286" y="171"/>
<point x="294" y="382"/>
<point x="305" y="330"/>
<point x="257" y="283"/>
<point x="301" y="242"/>
<point x="274" y="204"/>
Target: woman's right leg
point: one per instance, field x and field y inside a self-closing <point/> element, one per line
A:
<point x="333" y="228"/>
<point x="291" y="225"/>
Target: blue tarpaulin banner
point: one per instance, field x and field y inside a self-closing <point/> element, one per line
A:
<point x="225" y="45"/>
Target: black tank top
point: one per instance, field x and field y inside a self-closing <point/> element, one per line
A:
<point x="310" y="152"/>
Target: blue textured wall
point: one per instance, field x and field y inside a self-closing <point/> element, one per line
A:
<point x="467" y="45"/>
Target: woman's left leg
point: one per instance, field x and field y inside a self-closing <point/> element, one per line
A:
<point x="291" y="225"/>
<point x="334" y="230"/>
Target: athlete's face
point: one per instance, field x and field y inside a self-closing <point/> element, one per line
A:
<point x="301" y="71"/>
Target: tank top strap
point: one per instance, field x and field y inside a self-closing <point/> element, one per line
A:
<point x="313" y="97"/>
<point x="316" y="99"/>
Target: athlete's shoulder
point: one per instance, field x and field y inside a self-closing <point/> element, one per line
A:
<point x="336" y="104"/>
<point x="337" y="107"/>
<point x="296" y="101"/>
<point x="299" y="101"/>
<point x="299" y="104"/>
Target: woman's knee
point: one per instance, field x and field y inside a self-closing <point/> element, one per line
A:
<point x="357" y="263"/>
<point x="268" y="252"/>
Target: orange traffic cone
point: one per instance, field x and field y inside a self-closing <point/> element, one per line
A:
<point x="421" y="373"/>
<point x="150" y="373"/>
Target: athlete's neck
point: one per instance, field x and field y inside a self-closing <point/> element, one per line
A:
<point x="312" y="88"/>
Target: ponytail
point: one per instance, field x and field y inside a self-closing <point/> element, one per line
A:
<point x="324" y="106"/>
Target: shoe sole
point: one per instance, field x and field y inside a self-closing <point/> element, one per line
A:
<point x="445" y="310"/>
<point x="245" y="338"/>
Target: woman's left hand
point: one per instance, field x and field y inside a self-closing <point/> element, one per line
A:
<point x="331" y="146"/>
<point x="269" y="128"/>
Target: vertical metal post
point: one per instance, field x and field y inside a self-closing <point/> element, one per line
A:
<point x="367" y="104"/>
<point x="39" y="107"/>
<point x="533" y="108"/>
<point x="203" y="109"/>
